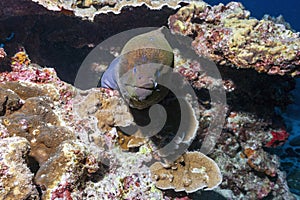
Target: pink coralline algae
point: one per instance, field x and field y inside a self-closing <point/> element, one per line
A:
<point x="21" y="71"/>
<point x="227" y="35"/>
<point x="279" y="138"/>
<point x="63" y="191"/>
<point x="195" y="73"/>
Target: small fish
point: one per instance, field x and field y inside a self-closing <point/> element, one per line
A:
<point x="7" y="39"/>
<point x="136" y="72"/>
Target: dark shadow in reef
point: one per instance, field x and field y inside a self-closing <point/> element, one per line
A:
<point x="100" y="173"/>
<point x="33" y="164"/>
<point x="257" y="93"/>
<point x="62" y="41"/>
<point x="171" y="126"/>
<point x="196" y="195"/>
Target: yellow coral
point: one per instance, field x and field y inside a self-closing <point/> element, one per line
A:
<point x="21" y="57"/>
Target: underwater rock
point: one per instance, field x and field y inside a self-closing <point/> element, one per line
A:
<point x="16" y="180"/>
<point x="260" y="161"/>
<point x="191" y="172"/>
<point x="27" y="90"/>
<point x="195" y="72"/>
<point x="227" y="35"/>
<point x="12" y="8"/>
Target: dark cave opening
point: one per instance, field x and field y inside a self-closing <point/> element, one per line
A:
<point x="62" y="41"/>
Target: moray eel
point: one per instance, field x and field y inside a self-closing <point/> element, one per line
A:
<point x="136" y="72"/>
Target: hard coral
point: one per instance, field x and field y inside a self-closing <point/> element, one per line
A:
<point x="37" y="122"/>
<point x="191" y="172"/>
<point x="227" y="35"/>
<point x="108" y="110"/>
<point x="89" y="9"/>
<point x="64" y="170"/>
<point x="129" y="141"/>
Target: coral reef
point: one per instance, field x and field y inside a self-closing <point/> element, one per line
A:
<point x="240" y="153"/>
<point x="87" y="147"/>
<point x="16" y="180"/>
<point x="191" y="172"/>
<point x="68" y="143"/>
<point x="108" y="110"/>
<point x="37" y="108"/>
<point x="75" y="164"/>
<point x="227" y="35"/>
